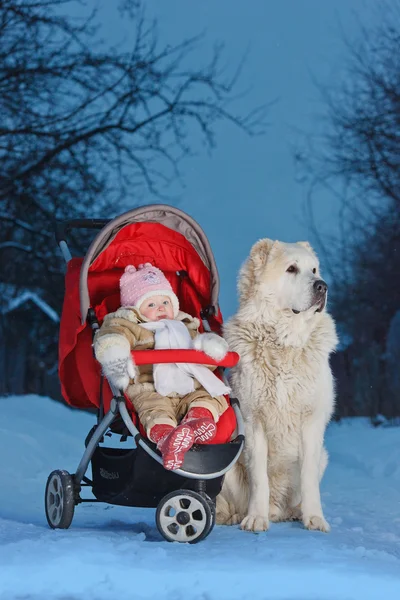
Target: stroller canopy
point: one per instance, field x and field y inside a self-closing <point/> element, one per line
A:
<point x="114" y="248"/>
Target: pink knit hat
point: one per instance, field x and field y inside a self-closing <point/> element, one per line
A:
<point x="138" y="284"/>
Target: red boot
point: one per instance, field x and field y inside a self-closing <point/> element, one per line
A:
<point x="173" y="443"/>
<point x="202" y="423"/>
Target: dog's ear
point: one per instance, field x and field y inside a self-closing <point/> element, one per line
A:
<point x="307" y="246"/>
<point x="260" y="252"/>
<point x="252" y="268"/>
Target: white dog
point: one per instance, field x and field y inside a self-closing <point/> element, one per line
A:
<point x="285" y="387"/>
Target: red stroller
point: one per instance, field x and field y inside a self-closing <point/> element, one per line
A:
<point x="185" y="498"/>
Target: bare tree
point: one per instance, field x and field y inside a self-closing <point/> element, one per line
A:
<point x="360" y="155"/>
<point x="88" y="130"/>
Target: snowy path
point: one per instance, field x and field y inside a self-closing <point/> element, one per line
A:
<point x="110" y="551"/>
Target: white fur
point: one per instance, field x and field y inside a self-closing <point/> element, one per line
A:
<point x="285" y="387"/>
<point x="114" y="353"/>
<point x="103" y="344"/>
<point x="211" y="344"/>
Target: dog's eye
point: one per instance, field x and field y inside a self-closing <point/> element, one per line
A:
<point x="314" y="270"/>
<point x="291" y="269"/>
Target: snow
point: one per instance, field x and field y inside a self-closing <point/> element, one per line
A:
<point x="11" y="299"/>
<point x="110" y="550"/>
<point x="25" y="297"/>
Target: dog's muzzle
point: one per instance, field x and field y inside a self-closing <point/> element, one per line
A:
<point x="320" y="288"/>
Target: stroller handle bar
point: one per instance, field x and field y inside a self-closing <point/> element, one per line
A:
<point x="152" y="357"/>
<point x="61" y="228"/>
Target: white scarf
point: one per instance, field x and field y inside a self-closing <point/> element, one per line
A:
<point x="178" y="377"/>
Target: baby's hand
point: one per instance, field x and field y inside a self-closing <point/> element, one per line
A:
<point x="211" y="344"/>
<point x="114" y="354"/>
<point x="119" y="371"/>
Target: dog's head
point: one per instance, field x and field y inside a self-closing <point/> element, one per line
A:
<point x="284" y="275"/>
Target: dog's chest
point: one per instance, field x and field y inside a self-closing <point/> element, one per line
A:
<point x="292" y="377"/>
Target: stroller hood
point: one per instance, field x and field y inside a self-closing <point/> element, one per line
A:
<point x="172" y="218"/>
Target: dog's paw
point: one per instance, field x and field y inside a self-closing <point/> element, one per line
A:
<point x="235" y="519"/>
<point x="316" y="524"/>
<point x="254" y="523"/>
<point x="293" y="514"/>
<point x="276" y="514"/>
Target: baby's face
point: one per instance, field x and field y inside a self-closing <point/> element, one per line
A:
<point x="157" y="308"/>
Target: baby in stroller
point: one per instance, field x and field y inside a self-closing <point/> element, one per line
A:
<point x="177" y="404"/>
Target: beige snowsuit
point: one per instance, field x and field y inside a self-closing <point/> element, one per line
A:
<point x="151" y="407"/>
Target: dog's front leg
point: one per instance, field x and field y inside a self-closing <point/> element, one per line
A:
<point x="312" y="444"/>
<point x="256" y="457"/>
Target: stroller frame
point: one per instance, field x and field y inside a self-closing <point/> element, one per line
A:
<point x="183" y="515"/>
<point x="118" y="406"/>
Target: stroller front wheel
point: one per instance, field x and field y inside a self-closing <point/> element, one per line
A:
<point x="59" y="500"/>
<point x="185" y="516"/>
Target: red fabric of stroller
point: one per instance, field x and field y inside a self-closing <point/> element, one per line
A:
<point x="136" y="243"/>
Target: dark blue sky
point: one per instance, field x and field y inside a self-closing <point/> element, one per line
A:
<point x="247" y="188"/>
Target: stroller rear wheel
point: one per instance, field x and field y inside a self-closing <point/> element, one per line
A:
<point x="59" y="499"/>
<point x="185" y="516"/>
<point x="212" y="507"/>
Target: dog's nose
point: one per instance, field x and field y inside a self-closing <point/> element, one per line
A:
<point x="320" y="286"/>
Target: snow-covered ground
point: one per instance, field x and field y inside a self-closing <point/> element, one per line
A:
<point x="112" y="552"/>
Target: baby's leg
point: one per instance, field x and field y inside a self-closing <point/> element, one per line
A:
<point x="203" y="412"/>
<point x="201" y="398"/>
<point x="154" y="409"/>
<point x="158" y="416"/>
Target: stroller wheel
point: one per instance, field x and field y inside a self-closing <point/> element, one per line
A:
<point x="211" y="504"/>
<point x="184" y="516"/>
<point x="59" y="499"/>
